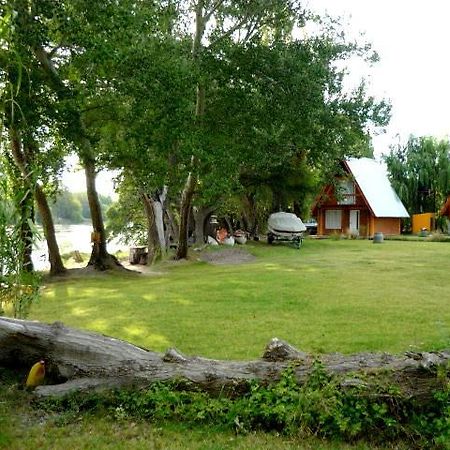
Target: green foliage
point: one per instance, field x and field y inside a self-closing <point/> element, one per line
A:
<point x="125" y="218"/>
<point x="19" y="286"/>
<point x="73" y="207"/>
<point x="319" y="407"/>
<point x="420" y="173"/>
<point x="68" y="208"/>
<point x="123" y="95"/>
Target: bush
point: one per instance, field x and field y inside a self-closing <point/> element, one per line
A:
<point x="320" y="407"/>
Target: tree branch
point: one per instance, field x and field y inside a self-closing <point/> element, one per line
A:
<point x="47" y="64"/>
<point x="216" y="5"/>
<point x="230" y="31"/>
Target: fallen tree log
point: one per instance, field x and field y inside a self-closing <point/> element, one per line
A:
<point x="79" y="361"/>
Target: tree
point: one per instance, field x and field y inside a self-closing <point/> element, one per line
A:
<point x="234" y="104"/>
<point x="100" y="258"/>
<point x="143" y="137"/>
<point x="19" y="285"/>
<point x="27" y="116"/>
<point x="133" y="107"/>
<point x="216" y="22"/>
<point x="53" y="36"/>
<point x="67" y="207"/>
<point x="72" y="44"/>
<point x="265" y="100"/>
<point x="420" y="173"/>
<point x="23" y="154"/>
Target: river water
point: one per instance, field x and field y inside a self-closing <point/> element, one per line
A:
<point x="70" y="238"/>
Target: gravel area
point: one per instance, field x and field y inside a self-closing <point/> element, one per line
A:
<point x="234" y="255"/>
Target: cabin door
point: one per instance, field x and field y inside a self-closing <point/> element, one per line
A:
<point x="354" y="221"/>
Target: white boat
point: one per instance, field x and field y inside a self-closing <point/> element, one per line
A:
<point x="282" y="226"/>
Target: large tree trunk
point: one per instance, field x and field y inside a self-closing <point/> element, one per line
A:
<point x="172" y="228"/>
<point x="158" y="205"/>
<point x="100" y="258"/>
<point x="56" y="263"/>
<point x="201" y="214"/>
<point x="191" y="181"/>
<point x="189" y="187"/>
<point x="185" y="209"/>
<point x="155" y="225"/>
<point x="21" y="159"/>
<point x="25" y="205"/>
<point x="250" y="215"/>
<point x="54" y="255"/>
<point x="78" y="360"/>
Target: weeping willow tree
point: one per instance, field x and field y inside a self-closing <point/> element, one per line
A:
<point x="420" y="173"/>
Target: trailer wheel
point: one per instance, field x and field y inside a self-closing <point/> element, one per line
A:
<point x="298" y="241"/>
<point x="270" y="238"/>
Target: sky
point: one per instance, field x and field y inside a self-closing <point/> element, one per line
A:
<point x="412" y="38"/>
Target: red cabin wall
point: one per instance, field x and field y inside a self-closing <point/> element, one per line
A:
<point x="387" y="225"/>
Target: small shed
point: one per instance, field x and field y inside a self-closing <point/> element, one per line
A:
<point x="361" y="202"/>
<point x="422" y="222"/>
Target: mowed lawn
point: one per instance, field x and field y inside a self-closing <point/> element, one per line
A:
<point x="330" y="296"/>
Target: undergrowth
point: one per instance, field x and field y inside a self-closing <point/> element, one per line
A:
<point x="320" y="407"/>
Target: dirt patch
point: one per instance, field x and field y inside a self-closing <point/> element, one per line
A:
<point x="234" y="255"/>
<point x="231" y="255"/>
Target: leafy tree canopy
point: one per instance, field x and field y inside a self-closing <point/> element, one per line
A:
<point x="420" y="173"/>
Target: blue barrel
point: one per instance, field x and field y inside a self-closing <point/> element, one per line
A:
<point x="378" y="238"/>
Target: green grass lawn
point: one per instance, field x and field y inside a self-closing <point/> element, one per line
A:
<point x="345" y="296"/>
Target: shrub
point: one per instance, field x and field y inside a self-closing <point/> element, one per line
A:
<point x="320" y="407"/>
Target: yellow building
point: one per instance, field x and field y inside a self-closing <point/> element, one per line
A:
<point x="422" y="221"/>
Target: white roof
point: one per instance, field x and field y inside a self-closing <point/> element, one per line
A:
<point x="372" y="179"/>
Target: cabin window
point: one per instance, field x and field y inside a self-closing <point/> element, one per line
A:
<point x="346" y="193"/>
<point x="333" y="219"/>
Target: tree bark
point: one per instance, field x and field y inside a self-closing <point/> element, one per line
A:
<point x="191" y="181"/>
<point x="21" y="160"/>
<point x="200" y="214"/>
<point x="172" y="229"/>
<point x="25" y="205"/>
<point x="100" y="258"/>
<point x="54" y="255"/>
<point x="251" y="215"/>
<point x="158" y="205"/>
<point x="78" y="360"/>
<point x="26" y="233"/>
<point x="185" y="209"/>
<point x="155" y="249"/>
